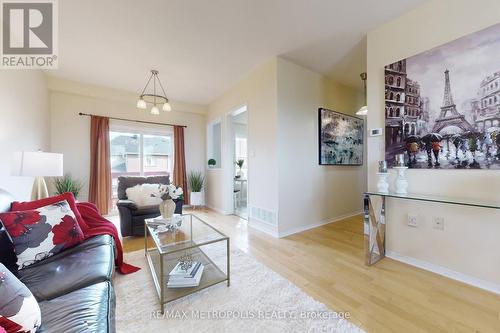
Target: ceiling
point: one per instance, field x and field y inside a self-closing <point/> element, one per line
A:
<point x="202" y="48"/>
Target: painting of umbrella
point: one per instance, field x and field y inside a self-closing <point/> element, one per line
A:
<point x="450" y="100"/>
<point x="340" y="138"/>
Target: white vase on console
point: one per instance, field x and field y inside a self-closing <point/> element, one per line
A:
<point x="382" y="184"/>
<point x="401" y="182"/>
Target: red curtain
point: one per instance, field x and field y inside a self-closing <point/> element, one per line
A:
<point x="180" y="178"/>
<point x="100" y="168"/>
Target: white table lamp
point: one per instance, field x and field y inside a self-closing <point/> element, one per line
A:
<point x="38" y="164"/>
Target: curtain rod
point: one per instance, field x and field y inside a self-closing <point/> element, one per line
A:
<point x="131" y="120"/>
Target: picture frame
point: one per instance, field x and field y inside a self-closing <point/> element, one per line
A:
<point x="340" y="138"/>
<point x="441" y="105"/>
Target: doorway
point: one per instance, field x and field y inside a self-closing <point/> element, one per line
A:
<point x="238" y="120"/>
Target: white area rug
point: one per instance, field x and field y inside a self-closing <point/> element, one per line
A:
<point x="259" y="298"/>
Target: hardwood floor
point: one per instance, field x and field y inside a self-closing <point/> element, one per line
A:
<point x="327" y="263"/>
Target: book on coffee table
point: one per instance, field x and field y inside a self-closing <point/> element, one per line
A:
<point x="179" y="278"/>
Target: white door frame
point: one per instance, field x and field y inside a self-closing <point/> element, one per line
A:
<point x="229" y="169"/>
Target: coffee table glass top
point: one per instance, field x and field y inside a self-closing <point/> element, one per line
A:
<point x="192" y="231"/>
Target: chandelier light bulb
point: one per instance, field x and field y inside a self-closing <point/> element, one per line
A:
<point x="155" y="110"/>
<point x="166" y="107"/>
<point x="141" y="104"/>
<point x="363" y="111"/>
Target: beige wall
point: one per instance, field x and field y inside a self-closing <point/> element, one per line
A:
<point x="311" y="194"/>
<point x="24" y="123"/>
<point x="284" y="177"/>
<point x="258" y="93"/>
<point x="70" y="133"/>
<point x="468" y="248"/>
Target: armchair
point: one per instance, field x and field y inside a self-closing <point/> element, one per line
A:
<point x="131" y="216"/>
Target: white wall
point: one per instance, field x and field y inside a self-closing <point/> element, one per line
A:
<point x="24" y="123"/>
<point x="311" y="194"/>
<point x="70" y="133"/>
<point x="258" y="93"/>
<point x="284" y="177"/>
<point x="469" y="244"/>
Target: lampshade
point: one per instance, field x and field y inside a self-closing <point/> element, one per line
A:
<point x="35" y="164"/>
<point x="167" y="107"/>
<point x="363" y="111"/>
<point x="155" y="110"/>
<point x="141" y="104"/>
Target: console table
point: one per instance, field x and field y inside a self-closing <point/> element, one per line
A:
<point x="374" y="217"/>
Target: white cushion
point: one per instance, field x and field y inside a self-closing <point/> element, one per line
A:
<point x="142" y="194"/>
<point x="18" y="308"/>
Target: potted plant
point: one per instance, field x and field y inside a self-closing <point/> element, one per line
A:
<point x="240" y="163"/>
<point x="195" y="183"/>
<point x="211" y="163"/>
<point x="67" y="184"/>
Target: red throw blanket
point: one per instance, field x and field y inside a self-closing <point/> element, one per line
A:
<point x="91" y="222"/>
<point x="98" y="225"/>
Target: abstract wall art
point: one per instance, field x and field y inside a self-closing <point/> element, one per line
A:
<point x="340" y="138"/>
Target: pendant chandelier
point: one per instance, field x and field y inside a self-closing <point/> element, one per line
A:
<point x="363" y="111"/>
<point x="155" y="98"/>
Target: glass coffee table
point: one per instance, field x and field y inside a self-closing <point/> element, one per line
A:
<point x="192" y="237"/>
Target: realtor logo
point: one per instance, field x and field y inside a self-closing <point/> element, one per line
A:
<point x="29" y="34"/>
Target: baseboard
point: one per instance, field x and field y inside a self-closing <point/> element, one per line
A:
<point x="263" y="226"/>
<point x="317" y="224"/>
<point x="218" y="210"/>
<point x="467" y="279"/>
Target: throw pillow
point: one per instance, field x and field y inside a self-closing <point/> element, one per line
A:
<point x="68" y="196"/>
<point x="7" y="253"/>
<point x="142" y="194"/>
<point x="40" y="233"/>
<point x="19" y="310"/>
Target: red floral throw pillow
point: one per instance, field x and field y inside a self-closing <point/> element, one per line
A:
<point x="40" y="233"/>
<point x="68" y="196"/>
<point x="19" y="310"/>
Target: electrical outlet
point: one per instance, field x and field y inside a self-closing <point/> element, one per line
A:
<point x="438" y="223"/>
<point x="412" y="221"/>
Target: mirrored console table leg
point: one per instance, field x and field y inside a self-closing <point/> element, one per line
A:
<point x="374" y="228"/>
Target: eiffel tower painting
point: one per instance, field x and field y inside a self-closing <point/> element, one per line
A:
<point x="449" y="115"/>
<point x="458" y="128"/>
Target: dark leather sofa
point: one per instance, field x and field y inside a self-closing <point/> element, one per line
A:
<point x="74" y="288"/>
<point x="131" y="216"/>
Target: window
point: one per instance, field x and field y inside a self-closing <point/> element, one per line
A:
<point x="139" y="154"/>
<point x="214" y="142"/>
<point x="158" y="154"/>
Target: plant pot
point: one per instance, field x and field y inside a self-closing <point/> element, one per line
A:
<point x="167" y="208"/>
<point x="196" y="198"/>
